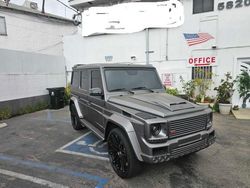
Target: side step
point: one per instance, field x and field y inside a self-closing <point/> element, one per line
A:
<point x="96" y="131"/>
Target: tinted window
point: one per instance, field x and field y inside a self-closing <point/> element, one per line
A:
<point x="132" y="78"/>
<point x="76" y="79"/>
<point x="200" y="6"/>
<point x="96" y="80"/>
<point x="85" y="80"/>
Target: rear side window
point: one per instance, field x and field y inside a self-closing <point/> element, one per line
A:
<point x="84" y="80"/>
<point x="75" y="79"/>
<point x="96" y="80"/>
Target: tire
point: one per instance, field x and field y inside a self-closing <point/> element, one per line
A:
<point x="121" y="154"/>
<point x="75" y="121"/>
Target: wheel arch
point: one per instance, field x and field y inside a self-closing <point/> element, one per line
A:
<point x="128" y="129"/>
<point x="74" y="100"/>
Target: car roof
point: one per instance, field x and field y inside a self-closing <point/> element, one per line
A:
<point x="111" y="65"/>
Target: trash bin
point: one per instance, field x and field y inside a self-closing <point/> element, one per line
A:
<point x="56" y="97"/>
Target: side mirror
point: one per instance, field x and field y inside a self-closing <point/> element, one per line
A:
<point x="95" y="92"/>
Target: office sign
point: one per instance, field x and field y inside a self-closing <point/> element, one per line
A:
<point x="202" y="61"/>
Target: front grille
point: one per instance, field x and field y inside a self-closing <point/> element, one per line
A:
<point x="187" y="126"/>
<point x="177" y="152"/>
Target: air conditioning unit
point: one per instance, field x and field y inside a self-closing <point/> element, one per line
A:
<point x="30" y="4"/>
<point x="33" y="5"/>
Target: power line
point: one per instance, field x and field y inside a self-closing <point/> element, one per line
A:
<point x="66" y="5"/>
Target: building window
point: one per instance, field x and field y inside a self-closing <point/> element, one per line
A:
<point x="200" y="6"/>
<point x="202" y="72"/>
<point x="3" y="29"/>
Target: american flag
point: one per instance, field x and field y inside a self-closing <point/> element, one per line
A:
<point x="197" y="38"/>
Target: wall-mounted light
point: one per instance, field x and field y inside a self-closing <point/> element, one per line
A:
<point x="108" y="58"/>
<point x="133" y="58"/>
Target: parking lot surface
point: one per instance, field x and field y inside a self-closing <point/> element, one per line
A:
<point x="42" y="150"/>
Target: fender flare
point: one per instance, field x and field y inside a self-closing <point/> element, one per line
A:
<point x="75" y="101"/>
<point x="127" y="126"/>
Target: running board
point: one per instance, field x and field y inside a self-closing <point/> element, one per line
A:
<point x="92" y="128"/>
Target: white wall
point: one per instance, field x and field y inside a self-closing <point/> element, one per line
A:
<point x="31" y="55"/>
<point x="24" y="74"/>
<point x="36" y="34"/>
<point x="229" y="27"/>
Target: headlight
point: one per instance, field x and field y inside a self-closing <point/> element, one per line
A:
<point x="155" y="129"/>
<point x="209" y="120"/>
<point x="210" y="117"/>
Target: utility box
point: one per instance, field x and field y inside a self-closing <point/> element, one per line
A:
<point x="56" y="97"/>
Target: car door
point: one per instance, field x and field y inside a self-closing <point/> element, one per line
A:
<point x="96" y="103"/>
<point x="83" y="92"/>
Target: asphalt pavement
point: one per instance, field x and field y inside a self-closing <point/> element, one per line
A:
<point x="42" y="150"/>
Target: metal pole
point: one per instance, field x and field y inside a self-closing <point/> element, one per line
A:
<point x="147" y="46"/>
<point x="43" y="6"/>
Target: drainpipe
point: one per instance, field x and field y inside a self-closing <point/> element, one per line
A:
<point x="147" y="46"/>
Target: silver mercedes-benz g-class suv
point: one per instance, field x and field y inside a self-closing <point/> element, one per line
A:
<point x="126" y="106"/>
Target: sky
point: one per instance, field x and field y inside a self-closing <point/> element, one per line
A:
<point x="51" y="6"/>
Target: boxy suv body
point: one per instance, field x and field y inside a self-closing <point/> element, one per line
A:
<point x="127" y="106"/>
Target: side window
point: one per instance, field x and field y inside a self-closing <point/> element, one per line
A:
<point x="85" y="80"/>
<point x="76" y="79"/>
<point x="96" y="80"/>
<point x="200" y="6"/>
<point x="3" y="29"/>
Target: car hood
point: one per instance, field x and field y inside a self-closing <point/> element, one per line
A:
<point x="159" y="104"/>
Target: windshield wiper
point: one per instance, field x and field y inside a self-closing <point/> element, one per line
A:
<point x="141" y="88"/>
<point x="118" y="89"/>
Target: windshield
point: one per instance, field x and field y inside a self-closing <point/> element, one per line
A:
<point x="131" y="78"/>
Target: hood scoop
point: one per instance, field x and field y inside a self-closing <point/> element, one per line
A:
<point x="170" y="103"/>
<point x="180" y="106"/>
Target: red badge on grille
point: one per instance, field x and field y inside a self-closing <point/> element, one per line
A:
<point x="172" y="132"/>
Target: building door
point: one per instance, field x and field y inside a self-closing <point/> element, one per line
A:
<point x="242" y="64"/>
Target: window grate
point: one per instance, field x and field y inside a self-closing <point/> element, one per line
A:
<point x="202" y="72"/>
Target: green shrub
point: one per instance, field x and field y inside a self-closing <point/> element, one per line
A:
<point x="5" y="113"/>
<point x="172" y="91"/>
<point x="67" y="93"/>
<point x="33" y="108"/>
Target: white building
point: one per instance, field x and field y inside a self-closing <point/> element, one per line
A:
<point x="229" y="50"/>
<point x="31" y="55"/>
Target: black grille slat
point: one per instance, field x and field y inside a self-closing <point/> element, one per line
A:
<point x="189" y="121"/>
<point x="188" y="125"/>
<point x="182" y="131"/>
<point x="197" y="124"/>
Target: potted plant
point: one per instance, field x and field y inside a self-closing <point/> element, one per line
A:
<point x="224" y="94"/>
<point x="243" y="86"/>
<point x="172" y="91"/>
<point x="188" y="88"/>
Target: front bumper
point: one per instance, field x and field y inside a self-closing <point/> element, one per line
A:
<point x="178" y="147"/>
